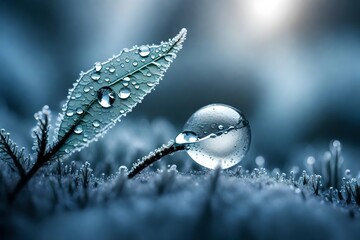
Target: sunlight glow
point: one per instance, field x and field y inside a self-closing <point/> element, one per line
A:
<point x="269" y="16"/>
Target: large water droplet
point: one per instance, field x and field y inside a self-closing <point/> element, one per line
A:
<point x="98" y="66"/>
<point x="95" y="76"/>
<point x="106" y="97"/>
<point x="78" y="129"/>
<point x="144" y="51"/>
<point x="124" y="93"/>
<point x="126" y="79"/>
<point x="216" y="135"/>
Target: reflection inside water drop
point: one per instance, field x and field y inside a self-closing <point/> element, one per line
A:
<point x="220" y="136"/>
<point x="106" y="97"/>
<point x="186" y="137"/>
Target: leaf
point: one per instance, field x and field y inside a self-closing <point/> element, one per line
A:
<point x="107" y="92"/>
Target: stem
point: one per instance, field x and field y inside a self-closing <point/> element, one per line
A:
<point x="336" y="169"/>
<point x="42" y="159"/>
<point x="153" y="157"/>
<point x="13" y="156"/>
<point x="23" y="181"/>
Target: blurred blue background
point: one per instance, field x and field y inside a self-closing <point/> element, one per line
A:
<point x="291" y="66"/>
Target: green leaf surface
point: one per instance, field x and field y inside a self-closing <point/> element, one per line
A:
<point x="108" y="91"/>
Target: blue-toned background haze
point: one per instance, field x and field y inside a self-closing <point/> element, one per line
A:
<point x="292" y="69"/>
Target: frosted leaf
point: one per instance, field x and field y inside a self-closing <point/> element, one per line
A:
<point x="108" y="91"/>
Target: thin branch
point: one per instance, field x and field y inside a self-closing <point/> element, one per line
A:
<point x="11" y="150"/>
<point x="153" y="157"/>
<point x="43" y="140"/>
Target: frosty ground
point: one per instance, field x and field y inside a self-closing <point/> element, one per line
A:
<point x="79" y="200"/>
<point x="172" y="205"/>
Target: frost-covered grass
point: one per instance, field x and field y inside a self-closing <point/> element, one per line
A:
<point x="90" y="197"/>
<point x="73" y="201"/>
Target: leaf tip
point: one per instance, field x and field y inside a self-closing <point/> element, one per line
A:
<point x="181" y="37"/>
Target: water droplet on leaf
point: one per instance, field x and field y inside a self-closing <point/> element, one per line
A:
<point x="69" y="114"/>
<point x="86" y="89"/>
<point x="124" y="93"/>
<point x="111" y="69"/>
<point x="96" y="123"/>
<point x="106" y="97"/>
<point x="98" y="66"/>
<point x="78" y="129"/>
<point x="95" y="76"/>
<point x="79" y="111"/>
<point x="144" y="51"/>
